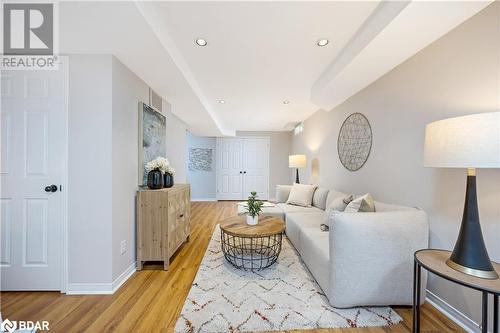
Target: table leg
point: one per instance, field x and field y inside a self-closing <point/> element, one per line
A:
<point x="484" y="322"/>
<point x="495" y="314"/>
<point x="416" y="298"/>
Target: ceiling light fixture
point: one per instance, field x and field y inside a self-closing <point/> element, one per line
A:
<point x="221" y="101"/>
<point x="322" y="42"/>
<point x="201" y="42"/>
<point x="286" y="102"/>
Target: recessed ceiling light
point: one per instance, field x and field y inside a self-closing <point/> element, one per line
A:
<point x="322" y="42"/>
<point x="221" y="101"/>
<point x="201" y="42"/>
<point x="286" y="102"/>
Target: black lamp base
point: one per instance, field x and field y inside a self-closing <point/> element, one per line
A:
<point x="470" y="255"/>
<point x="297" y="177"/>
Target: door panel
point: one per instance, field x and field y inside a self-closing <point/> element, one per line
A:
<point x="33" y="148"/>
<point x="256" y="161"/>
<point x="229" y="168"/>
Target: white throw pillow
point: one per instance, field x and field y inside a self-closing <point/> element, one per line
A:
<point x="282" y="193"/>
<point x="301" y="195"/>
<point x="363" y="203"/>
<point x="338" y="204"/>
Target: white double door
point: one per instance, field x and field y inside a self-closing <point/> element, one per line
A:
<point x="242" y="167"/>
<point x="33" y="158"/>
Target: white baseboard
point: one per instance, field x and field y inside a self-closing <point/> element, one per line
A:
<point x="449" y="311"/>
<point x="101" y="288"/>
<point x="203" y="199"/>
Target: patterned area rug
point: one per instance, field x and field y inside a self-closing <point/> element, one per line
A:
<point x="282" y="297"/>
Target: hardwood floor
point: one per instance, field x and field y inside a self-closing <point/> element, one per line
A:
<point x="151" y="300"/>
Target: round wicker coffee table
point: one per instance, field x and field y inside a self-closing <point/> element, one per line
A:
<point x="252" y="247"/>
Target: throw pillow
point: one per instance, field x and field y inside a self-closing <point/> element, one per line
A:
<point x="282" y="193"/>
<point x="363" y="203"/>
<point x="338" y="204"/>
<point x="301" y="195"/>
<point x="319" y="197"/>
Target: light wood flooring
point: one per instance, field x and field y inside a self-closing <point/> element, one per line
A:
<point x="151" y="300"/>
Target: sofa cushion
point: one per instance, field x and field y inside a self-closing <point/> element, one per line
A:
<point x="314" y="250"/>
<point x="282" y="193"/>
<point x="385" y="207"/>
<point x="332" y="195"/>
<point x="296" y="221"/>
<point x="286" y="208"/>
<point x="319" y="197"/>
<point x="363" y="203"/>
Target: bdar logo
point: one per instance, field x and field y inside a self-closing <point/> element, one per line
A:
<point x="8" y="326"/>
<point x="28" y="29"/>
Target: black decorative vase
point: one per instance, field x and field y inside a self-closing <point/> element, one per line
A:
<point x="155" y="179"/>
<point x="168" y="180"/>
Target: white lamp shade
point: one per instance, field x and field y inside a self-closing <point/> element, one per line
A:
<point x="464" y="142"/>
<point x="297" y="161"/>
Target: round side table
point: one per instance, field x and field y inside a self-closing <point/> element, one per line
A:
<point x="434" y="261"/>
<point x="251" y="247"/>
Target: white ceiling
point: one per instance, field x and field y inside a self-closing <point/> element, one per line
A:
<point x="258" y="53"/>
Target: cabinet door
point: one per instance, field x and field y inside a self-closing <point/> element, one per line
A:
<point x="186" y="199"/>
<point x="173" y="221"/>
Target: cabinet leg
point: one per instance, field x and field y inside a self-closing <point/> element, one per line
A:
<point x="139" y="265"/>
<point x="165" y="265"/>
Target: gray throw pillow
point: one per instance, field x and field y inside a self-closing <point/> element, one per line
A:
<point x="363" y="203"/>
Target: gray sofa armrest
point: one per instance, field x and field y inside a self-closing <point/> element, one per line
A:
<point x="371" y="257"/>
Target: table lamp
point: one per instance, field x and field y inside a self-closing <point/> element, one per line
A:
<point x="466" y="142"/>
<point x="297" y="161"/>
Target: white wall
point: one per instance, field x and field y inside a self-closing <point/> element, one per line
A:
<point x="176" y="143"/>
<point x="103" y="166"/>
<point x="203" y="183"/>
<point x="127" y="91"/>
<point x="89" y="169"/>
<point x="456" y="75"/>
<point x="280" y="148"/>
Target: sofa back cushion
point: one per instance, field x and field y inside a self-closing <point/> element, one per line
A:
<point x="385" y="207"/>
<point x="319" y="198"/>
<point x="301" y="195"/>
<point x="332" y="195"/>
<point x="282" y="193"/>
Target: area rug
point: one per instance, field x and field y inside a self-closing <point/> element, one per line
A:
<point x="282" y="297"/>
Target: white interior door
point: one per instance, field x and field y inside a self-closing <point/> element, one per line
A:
<point x="33" y="156"/>
<point x="256" y="167"/>
<point x="229" y="168"/>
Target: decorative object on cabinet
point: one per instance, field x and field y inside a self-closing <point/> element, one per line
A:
<point x="162" y="223"/>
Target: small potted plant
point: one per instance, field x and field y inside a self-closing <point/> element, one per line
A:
<point x="253" y="209"/>
<point x="156" y="169"/>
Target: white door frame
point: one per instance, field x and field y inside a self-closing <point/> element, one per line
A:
<point x="268" y="138"/>
<point x="64" y="209"/>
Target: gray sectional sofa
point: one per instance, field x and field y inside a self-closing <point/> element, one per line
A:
<point x="365" y="258"/>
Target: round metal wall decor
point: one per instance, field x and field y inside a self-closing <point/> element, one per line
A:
<point x="354" y="142"/>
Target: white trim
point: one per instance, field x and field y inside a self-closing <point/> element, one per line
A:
<point x="449" y="311"/>
<point x="101" y="288"/>
<point x="203" y="199"/>
<point x="64" y="181"/>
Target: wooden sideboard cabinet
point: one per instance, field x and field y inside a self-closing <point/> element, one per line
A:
<point x="162" y="222"/>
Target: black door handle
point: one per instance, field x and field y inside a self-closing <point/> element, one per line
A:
<point x="241" y="171"/>
<point x="51" y="188"/>
<point x="244" y="172"/>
